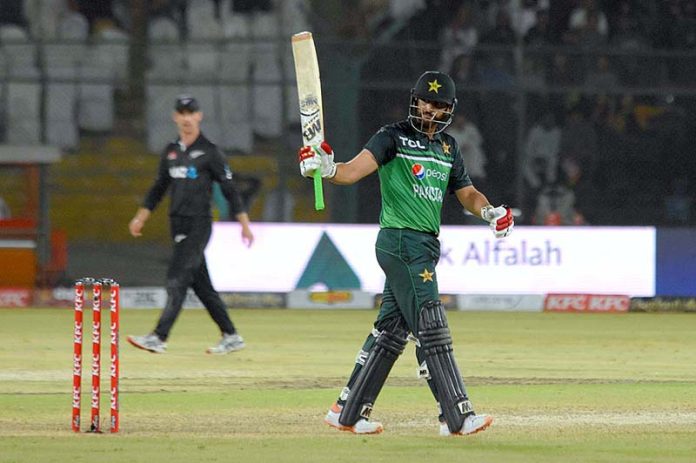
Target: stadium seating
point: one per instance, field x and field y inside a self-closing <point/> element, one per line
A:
<point x="23" y="115"/>
<point x="45" y="17"/>
<point x="201" y="20"/>
<point x="19" y="51"/>
<point x="267" y="93"/>
<point x="160" y="100"/>
<point x="96" y="92"/>
<point x="235" y="118"/>
<point x="113" y="43"/>
<point x="72" y="26"/>
<point x="202" y="61"/>
<point x="60" y="113"/>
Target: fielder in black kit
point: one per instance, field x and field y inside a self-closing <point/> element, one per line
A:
<point x="188" y="167"/>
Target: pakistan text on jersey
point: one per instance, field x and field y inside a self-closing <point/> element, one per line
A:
<point x="520" y="253"/>
<point x="430" y="193"/>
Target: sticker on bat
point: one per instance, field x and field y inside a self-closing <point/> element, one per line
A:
<point x="311" y="128"/>
<point x="309" y="105"/>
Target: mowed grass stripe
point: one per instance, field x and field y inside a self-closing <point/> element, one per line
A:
<point x="563" y="387"/>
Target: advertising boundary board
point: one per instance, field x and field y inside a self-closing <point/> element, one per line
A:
<point x="533" y="260"/>
<point x="334" y="266"/>
<point x="154" y="297"/>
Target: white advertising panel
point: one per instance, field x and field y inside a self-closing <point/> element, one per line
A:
<point x="539" y="260"/>
<point x="533" y="260"/>
<point x="501" y="302"/>
<point x="281" y="253"/>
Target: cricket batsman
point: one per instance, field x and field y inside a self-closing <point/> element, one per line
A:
<point x="417" y="163"/>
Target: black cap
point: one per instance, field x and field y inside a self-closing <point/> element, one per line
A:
<point x="435" y="86"/>
<point x="186" y="103"/>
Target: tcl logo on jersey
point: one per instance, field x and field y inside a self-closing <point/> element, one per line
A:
<point x="411" y="143"/>
<point x="421" y="172"/>
<point x="183" y="172"/>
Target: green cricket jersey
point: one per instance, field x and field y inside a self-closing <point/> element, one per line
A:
<point x="414" y="175"/>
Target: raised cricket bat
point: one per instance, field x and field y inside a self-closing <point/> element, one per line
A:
<point x="309" y="94"/>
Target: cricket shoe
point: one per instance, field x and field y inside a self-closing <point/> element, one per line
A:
<point x="228" y="343"/>
<point x="150" y="342"/>
<point x="362" y="426"/>
<point x="472" y="425"/>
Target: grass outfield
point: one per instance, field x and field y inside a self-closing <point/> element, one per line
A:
<point x="562" y="387"/>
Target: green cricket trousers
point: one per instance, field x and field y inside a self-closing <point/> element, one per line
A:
<point x="408" y="259"/>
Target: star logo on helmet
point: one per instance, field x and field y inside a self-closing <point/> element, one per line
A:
<point x="426" y="275"/>
<point x="434" y="86"/>
<point x="446" y="147"/>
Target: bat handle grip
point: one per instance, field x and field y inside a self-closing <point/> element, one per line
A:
<point x="318" y="191"/>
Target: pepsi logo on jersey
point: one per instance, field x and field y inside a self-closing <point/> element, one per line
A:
<point x="418" y="171"/>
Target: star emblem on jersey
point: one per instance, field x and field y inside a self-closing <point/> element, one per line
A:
<point x="446" y="147"/>
<point x="426" y="275"/>
<point x="434" y="86"/>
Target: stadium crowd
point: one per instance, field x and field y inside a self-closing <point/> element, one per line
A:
<point x="581" y="109"/>
<point x="584" y="107"/>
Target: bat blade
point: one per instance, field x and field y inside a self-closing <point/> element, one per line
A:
<point x="309" y="97"/>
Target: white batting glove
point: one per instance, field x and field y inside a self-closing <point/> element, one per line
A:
<point x="317" y="157"/>
<point x="309" y="162"/>
<point x="499" y="218"/>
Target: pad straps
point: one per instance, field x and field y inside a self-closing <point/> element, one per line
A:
<point x="436" y="346"/>
<point x="368" y="384"/>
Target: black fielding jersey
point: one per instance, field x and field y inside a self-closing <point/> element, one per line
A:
<point x="190" y="172"/>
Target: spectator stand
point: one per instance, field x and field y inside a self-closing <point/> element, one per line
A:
<point x="63" y="55"/>
<point x="22" y="87"/>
